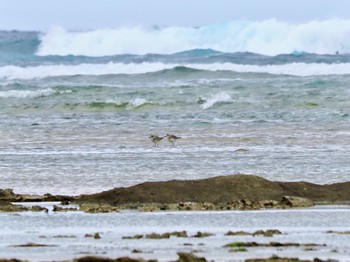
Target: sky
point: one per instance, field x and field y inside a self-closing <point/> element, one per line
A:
<point x="41" y="15"/>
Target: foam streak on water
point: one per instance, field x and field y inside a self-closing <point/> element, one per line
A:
<point x="295" y="69"/>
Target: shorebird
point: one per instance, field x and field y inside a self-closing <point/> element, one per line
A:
<point x="156" y="139"/>
<point x="172" y="139"/>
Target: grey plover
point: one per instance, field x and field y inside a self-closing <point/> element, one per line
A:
<point x="172" y="138"/>
<point x="156" y="139"/>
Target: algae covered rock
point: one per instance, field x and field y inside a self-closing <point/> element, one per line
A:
<point x="97" y="208"/>
<point x="8" y="195"/>
<point x="189" y="257"/>
<point x="39" y="209"/>
<point x="6" y="206"/>
<point x="293" y="201"/>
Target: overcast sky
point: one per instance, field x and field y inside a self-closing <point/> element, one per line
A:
<point x="93" y="14"/>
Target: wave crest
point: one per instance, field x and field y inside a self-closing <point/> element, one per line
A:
<point x="137" y="102"/>
<point x="219" y="98"/>
<point x="270" y="37"/>
<point x="30" y="93"/>
<point x="295" y="69"/>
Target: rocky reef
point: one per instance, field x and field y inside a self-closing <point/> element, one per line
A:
<point x="233" y="192"/>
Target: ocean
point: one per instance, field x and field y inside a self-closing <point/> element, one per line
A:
<point x="263" y="98"/>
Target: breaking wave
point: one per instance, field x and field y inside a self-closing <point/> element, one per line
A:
<point x="295" y="69"/>
<point x="270" y="37"/>
<point x="30" y="93"/>
<point x="219" y="98"/>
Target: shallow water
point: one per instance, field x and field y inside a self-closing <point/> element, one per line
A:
<point x="89" y="153"/>
<point x="73" y="121"/>
<point x="72" y="125"/>
<point x="66" y="232"/>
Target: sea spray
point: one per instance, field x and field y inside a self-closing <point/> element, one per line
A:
<point x="31" y="93"/>
<point x="270" y="37"/>
<point x="137" y="102"/>
<point x="219" y="98"/>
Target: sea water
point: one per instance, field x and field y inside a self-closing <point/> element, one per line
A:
<point x="263" y="98"/>
<point x="65" y="236"/>
<point x="77" y="108"/>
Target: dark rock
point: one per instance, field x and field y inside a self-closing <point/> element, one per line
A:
<point x="157" y="236"/>
<point x="6" y="206"/>
<point x="11" y="260"/>
<point x="8" y="195"/>
<point x="276" y="259"/>
<point x="63" y="209"/>
<point x="242" y="244"/>
<point x="243" y="192"/>
<point x="97" y="208"/>
<point x="128" y="259"/>
<point x="271" y="232"/>
<point x="65" y="236"/>
<point x="53" y="198"/>
<point x="268" y="203"/>
<point x="237" y="233"/>
<point x="338" y="232"/>
<point x="65" y="202"/>
<point x="95" y="236"/>
<point x="240" y="249"/>
<point x="93" y="259"/>
<point x="189" y="257"/>
<point x="33" y="245"/>
<point x="267" y="233"/>
<point x="242" y="150"/>
<point x="292" y="201"/>
<point x="39" y="209"/>
<point x="259" y="232"/>
<point x="202" y="234"/>
<point x="133" y="237"/>
<point x="271" y="244"/>
<point x="220" y="193"/>
<point x="179" y="233"/>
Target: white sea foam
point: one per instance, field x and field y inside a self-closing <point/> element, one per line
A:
<point x="27" y="93"/>
<point x="16" y="72"/>
<point x="268" y="37"/>
<point x="219" y="98"/>
<point x="296" y="69"/>
<point x="134" y="103"/>
<point x="137" y="102"/>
